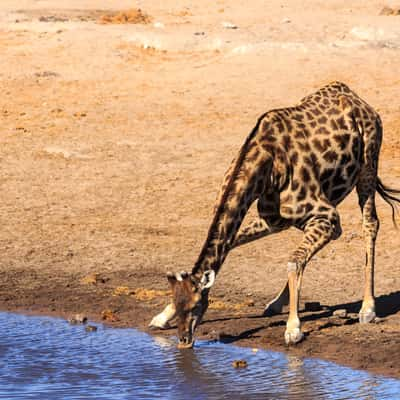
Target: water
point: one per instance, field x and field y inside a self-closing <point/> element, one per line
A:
<point x="46" y="358"/>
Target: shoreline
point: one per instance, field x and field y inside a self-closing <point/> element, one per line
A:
<point x="375" y="372"/>
<point x="228" y="320"/>
<point x="115" y="140"/>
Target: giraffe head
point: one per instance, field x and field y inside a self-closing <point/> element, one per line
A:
<point x="190" y="296"/>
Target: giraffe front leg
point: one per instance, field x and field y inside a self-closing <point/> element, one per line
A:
<point x="258" y="229"/>
<point x="255" y="230"/>
<point x="161" y="321"/>
<point x="317" y="233"/>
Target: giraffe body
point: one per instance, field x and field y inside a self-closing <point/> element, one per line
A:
<point x="298" y="163"/>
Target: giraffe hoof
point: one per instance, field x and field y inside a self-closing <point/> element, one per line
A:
<point x="366" y="316"/>
<point x="293" y="336"/>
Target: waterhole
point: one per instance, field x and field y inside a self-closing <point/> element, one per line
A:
<point x="46" y="358"/>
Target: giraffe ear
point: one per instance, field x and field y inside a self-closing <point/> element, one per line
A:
<point x="207" y="280"/>
<point x="171" y="278"/>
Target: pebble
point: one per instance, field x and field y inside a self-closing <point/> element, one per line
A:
<point x="342" y="313"/>
<point x="91" y="328"/>
<point x="229" y="25"/>
<point x="78" y="319"/>
<point x="249" y="303"/>
<point x="239" y="364"/>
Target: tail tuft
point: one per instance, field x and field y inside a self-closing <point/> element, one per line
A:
<point x="390" y="196"/>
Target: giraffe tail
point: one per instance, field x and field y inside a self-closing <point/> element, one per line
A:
<point x="390" y="195"/>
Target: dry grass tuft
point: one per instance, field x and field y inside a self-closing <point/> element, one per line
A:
<point x="132" y="16"/>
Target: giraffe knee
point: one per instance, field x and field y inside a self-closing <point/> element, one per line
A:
<point x="291" y="267"/>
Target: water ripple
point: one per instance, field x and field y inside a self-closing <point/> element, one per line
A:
<point x="46" y="358"/>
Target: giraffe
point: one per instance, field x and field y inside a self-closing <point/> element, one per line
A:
<point x="298" y="163"/>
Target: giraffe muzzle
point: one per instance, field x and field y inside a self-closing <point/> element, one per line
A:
<point x="186" y="342"/>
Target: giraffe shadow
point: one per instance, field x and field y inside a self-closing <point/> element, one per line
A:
<point x="386" y="305"/>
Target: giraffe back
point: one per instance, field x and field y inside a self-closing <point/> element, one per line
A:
<point x="319" y="148"/>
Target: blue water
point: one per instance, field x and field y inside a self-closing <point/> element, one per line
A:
<point x="46" y="358"/>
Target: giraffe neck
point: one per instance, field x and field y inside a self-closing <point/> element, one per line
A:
<point x="247" y="182"/>
<point x="220" y="237"/>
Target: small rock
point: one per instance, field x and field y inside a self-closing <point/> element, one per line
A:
<point x="312" y="306"/>
<point x="352" y="315"/>
<point x="239" y="364"/>
<point x="249" y="303"/>
<point x="78" y="319"/>
<point x="229" y="25"/>
<point x="80" y="114"/>
<point x="91" y="328"/>
<point x="378" y="320"/>
<point x="390" y="11"/>
<point x="342" y="313"/>
<point x="286" y="21"/>
<point x="46" y="74"/>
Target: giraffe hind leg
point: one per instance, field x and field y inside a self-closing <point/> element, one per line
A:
<point x="370" y="223"/>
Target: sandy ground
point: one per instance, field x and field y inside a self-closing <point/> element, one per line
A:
<point x="115" y="138"/>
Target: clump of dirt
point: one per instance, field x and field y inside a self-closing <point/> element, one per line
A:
<point x="143" y="294"/>
<point x="122" y="291"/>
<point x="390" y="11"/>
<point x="221" y="305"/>
<point x="109" y="316"/>
<point x="93" y="279"/>
<point x="132" y="16"/>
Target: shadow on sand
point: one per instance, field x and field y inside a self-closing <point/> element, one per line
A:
<point x="386" y="305"/>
